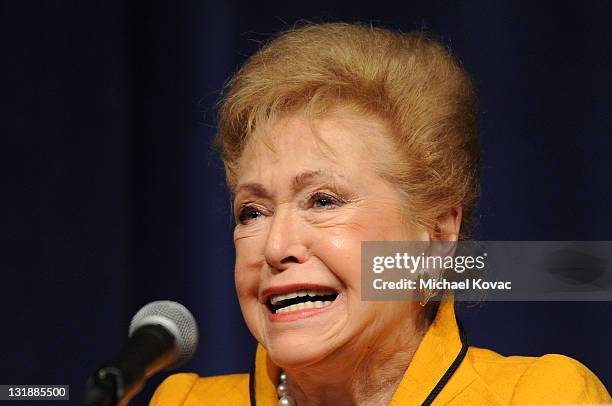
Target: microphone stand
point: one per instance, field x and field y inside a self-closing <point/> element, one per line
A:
<point x="149" y="350"/>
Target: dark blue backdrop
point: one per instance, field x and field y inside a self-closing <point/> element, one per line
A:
<point x="111" y="195"/>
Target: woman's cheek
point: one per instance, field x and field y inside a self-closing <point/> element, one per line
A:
<point x="341" y="253"/>
<point x="250" y="312"/>
<point x="247" y="288"/>
<point x="249" y="244"/>
<point x="241" y="280"/>
<point x="246" y="273"/>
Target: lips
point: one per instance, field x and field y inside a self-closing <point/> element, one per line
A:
<point x="298" y="297"/>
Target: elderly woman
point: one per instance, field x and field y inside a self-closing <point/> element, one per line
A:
<point x="335" y="134"/>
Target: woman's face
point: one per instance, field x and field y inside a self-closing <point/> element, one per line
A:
<point x="302" y="209"/>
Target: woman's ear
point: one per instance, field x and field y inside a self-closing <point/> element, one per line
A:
<point x="448" y="225"/>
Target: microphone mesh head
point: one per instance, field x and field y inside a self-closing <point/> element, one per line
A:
<point x="176" y="319"/>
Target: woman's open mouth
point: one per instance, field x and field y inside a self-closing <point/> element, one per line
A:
<point x="301" y="300"/>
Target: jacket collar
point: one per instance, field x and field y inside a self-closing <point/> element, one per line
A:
<point x="441" y="347"/>
<point x="434" y="361"/>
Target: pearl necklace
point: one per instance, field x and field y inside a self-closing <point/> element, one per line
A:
<point x="284" y="398"/>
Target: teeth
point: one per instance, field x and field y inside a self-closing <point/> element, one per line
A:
<point x="305" y="305"/>
<point x="274" y="299"/>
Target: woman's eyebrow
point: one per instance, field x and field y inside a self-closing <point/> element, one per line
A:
<point x="299" y="181"/>
<point x="253" y="188"/>
<point x="305" y="178"/>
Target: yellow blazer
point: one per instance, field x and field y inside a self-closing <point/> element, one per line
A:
<point x="480" y="377"/>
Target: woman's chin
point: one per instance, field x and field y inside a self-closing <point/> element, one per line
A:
<point x="297" y="352"/>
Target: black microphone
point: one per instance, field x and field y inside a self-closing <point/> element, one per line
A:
<point x="162" y="335"/>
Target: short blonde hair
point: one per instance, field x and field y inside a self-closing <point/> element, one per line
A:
<point x="409" y="81"/>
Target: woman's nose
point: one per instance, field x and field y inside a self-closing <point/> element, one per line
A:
<point x="285" y="245"/>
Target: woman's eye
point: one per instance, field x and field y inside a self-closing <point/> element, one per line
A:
<point x="324" y="201"/>
<point x="247" y="214"/>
